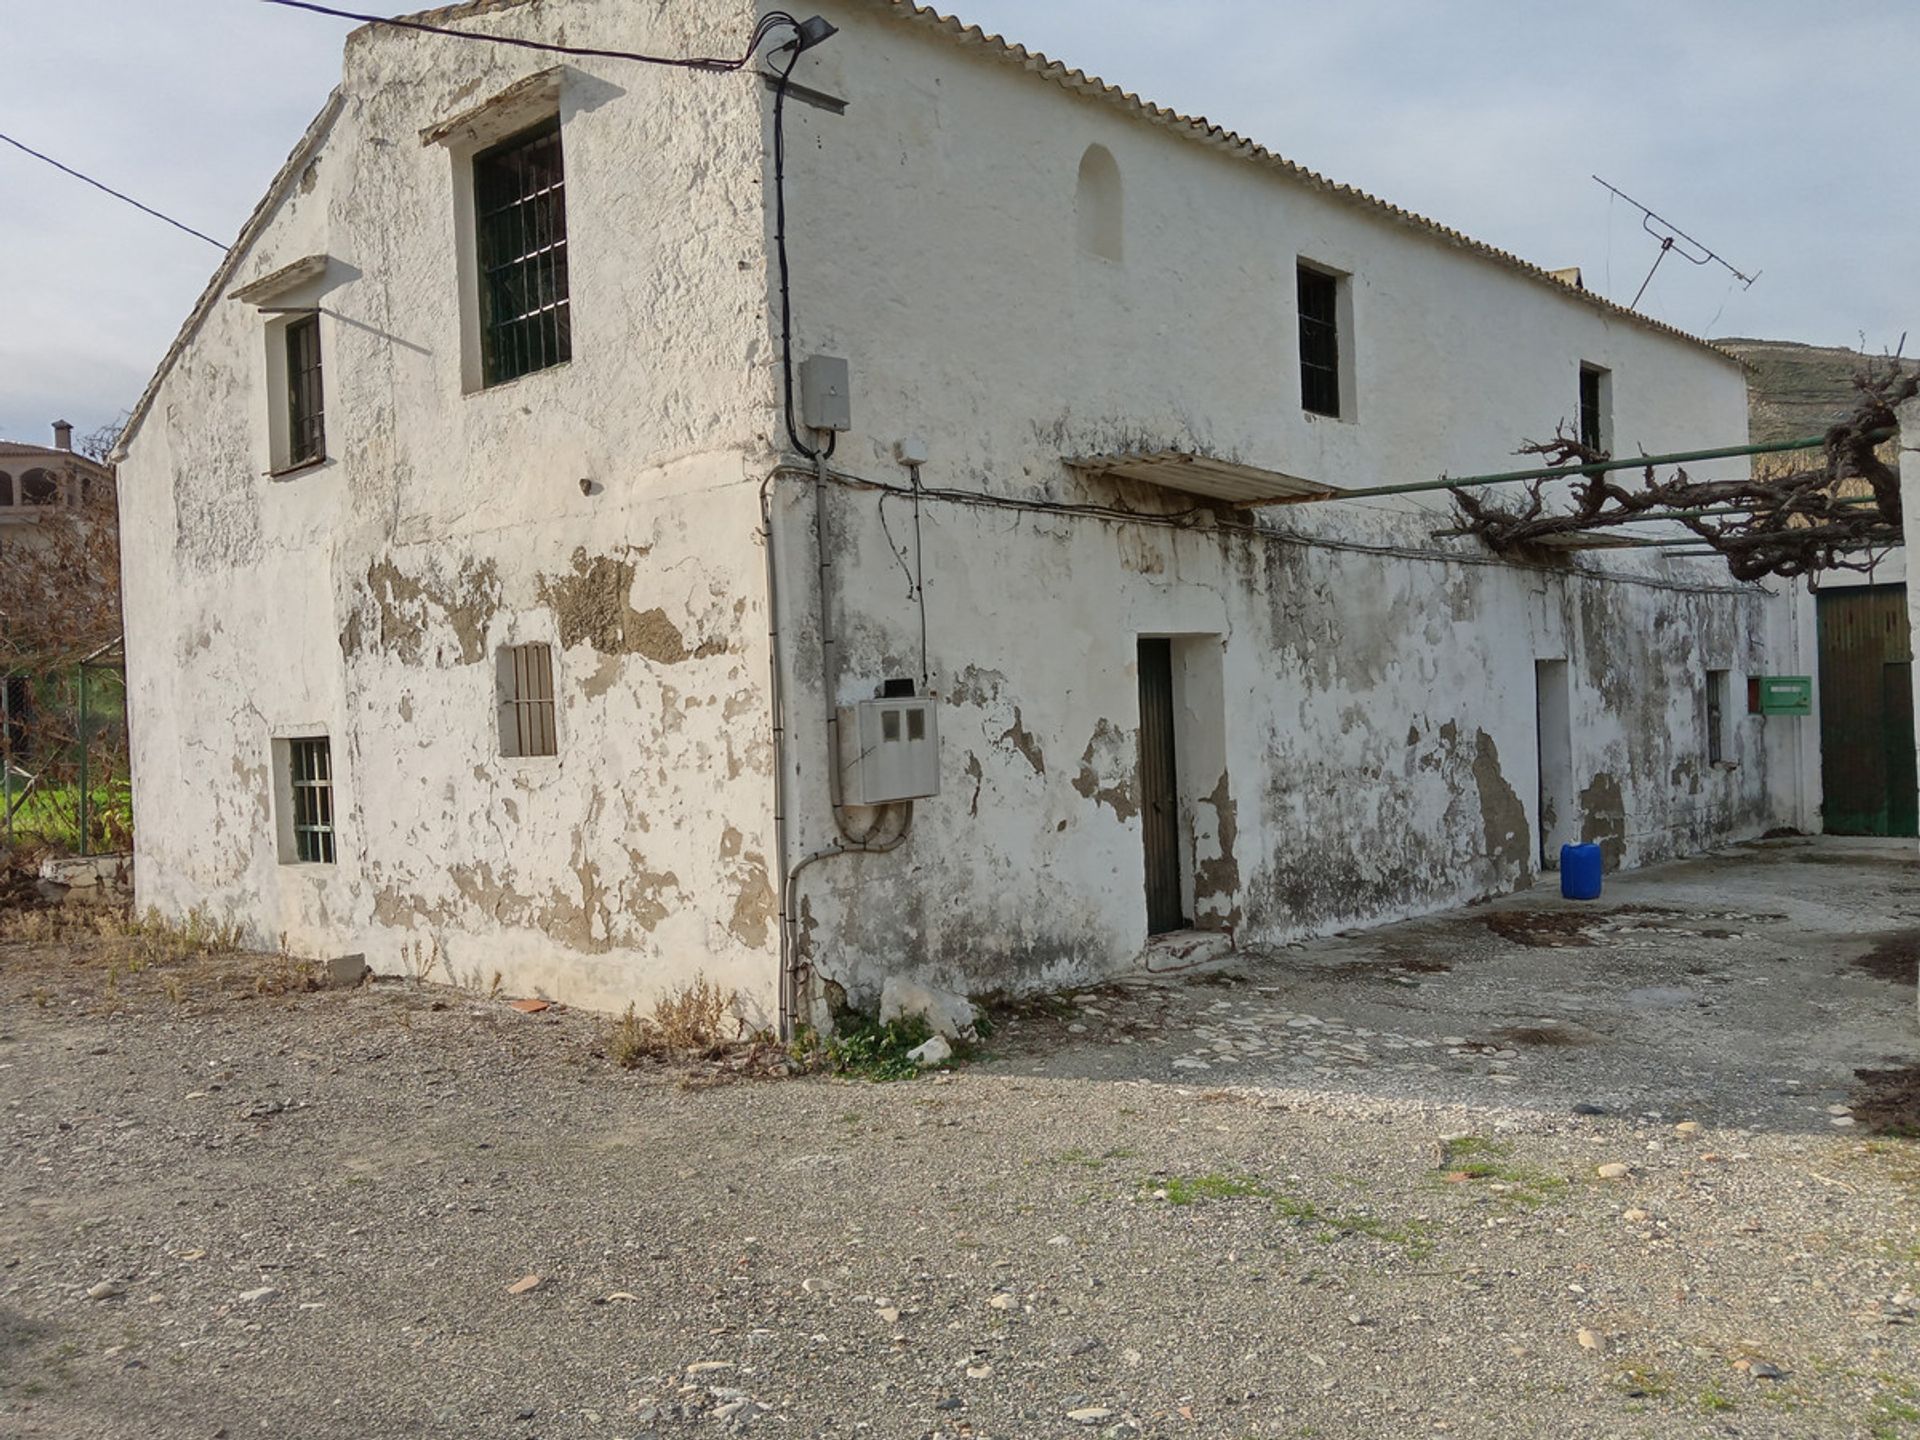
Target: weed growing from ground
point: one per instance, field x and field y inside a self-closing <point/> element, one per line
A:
<point x="627" y="1041"/>
<point x="695" y="1022"/>
<point x="868" y="1050"/>
<point x="1326" y="1226"/>
<point x="1471" y="1158"/>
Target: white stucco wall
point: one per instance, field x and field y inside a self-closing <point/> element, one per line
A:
<point x="1356" y="698"/>
<point x="367" y="598"/>
<point x="1377" y="710"/>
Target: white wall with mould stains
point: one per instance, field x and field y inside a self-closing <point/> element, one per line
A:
<point x="606" y="507"/>
<point x="1357" y="712"/>
<point x="1352" y="699"/>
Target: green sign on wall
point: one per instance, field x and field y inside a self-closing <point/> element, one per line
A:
<point x="1780" y="694"/>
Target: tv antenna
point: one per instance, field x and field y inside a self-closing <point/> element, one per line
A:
<point x="1673" y="238"/>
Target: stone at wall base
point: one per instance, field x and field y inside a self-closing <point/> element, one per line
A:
<point x="948" y="1014"/>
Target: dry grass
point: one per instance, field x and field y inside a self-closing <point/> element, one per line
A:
<point x="114" y="958"/>
<point x="425" y="956"/>
<point x="695" y="1022"/>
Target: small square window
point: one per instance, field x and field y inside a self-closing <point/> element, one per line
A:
<point x="525" y="676"/>
<point x="309" y="798"/>
<point x="916" y="724"/>
<point x="889" y="724"/>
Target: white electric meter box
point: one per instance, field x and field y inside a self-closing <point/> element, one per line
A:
<point x="899" y="751"/>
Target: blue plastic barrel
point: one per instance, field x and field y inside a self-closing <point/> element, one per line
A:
<point x="1580" y="872"/>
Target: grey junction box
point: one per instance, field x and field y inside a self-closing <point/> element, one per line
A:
<point x="826" y="393"/>
<point x="899" y="756"/>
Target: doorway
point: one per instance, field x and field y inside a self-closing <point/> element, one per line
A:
<point x="1866" y="712"/>
<point x="1160" y="788"/>
<point x="1553" y="729"/>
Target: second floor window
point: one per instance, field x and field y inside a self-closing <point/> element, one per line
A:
<point x="520" y="227"/>
<point x="1596" y="405"/>
<point x="1319" y="342"/>
<point x="306" y="411"/>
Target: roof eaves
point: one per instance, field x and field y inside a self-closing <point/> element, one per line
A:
<point x="1204" y="130"/>
<point x="224" y="272"/>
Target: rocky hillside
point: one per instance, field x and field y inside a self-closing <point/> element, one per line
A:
<point x="1795" y="389"/>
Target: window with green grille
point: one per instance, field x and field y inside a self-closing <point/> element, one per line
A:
<point x="520" y="229"/>
<point x="310" y="776"/>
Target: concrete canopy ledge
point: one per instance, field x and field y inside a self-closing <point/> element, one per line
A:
<point x="279" y="282"/>
<point x="520" y="104"/>
<point x="1227" y="480"/>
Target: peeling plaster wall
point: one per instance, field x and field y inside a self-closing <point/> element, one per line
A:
<point x="367" y="598"/>
<point x="1377" y="708"/>
<point x="1356" y="718"/>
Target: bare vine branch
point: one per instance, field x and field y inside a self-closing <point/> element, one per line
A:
<point x="1834" y="515"/>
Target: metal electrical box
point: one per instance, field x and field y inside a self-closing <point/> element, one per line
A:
<point x="899" y="754"/>
<point x="826" y="393"/>
<point x="1780" y="695"/>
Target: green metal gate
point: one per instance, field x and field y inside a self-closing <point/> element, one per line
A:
<point x="1866" y="712"/>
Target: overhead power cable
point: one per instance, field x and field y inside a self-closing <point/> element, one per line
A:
<point x="680" y="62"/>
<point x="128" y="199"/>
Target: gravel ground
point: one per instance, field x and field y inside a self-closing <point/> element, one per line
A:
<point x="402" y="1211"/>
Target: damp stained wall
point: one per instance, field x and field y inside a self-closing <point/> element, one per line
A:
<point x="367" y="598"/>
<point x="1355" y="698"/>
<point x="1355" y="712"/>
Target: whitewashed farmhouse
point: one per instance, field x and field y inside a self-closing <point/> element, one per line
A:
<point x="485" y="592"/>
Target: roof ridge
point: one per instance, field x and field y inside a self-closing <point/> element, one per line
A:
<point x="1207" y="132"/>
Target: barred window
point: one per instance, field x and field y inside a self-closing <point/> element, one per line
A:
<point x="1716" y="717"/>
<point x="306" y="419"/>
<point x="310" y="777"/>
<point x="1319" y="341"/>
<point x="520" y="225"/>
<point x="1596" y="408"/>
<point x="526" y="701"/>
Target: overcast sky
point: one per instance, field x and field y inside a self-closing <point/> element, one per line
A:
<point x="1769" y="129"/>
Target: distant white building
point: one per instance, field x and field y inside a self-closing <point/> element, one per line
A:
<point x="37" y="481"/>
<point x="453" y="622"/>
<point x="43" y="489"/>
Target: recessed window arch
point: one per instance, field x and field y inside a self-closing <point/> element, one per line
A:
<point x="39" y="487"/>
<point x="6" y="488"/>
<point x="1098" y="204"/>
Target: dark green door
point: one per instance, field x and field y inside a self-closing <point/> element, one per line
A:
<point x="1159" y="788"/>
<point x="1903" y="801"/>
<point x="1866" y="712"/>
